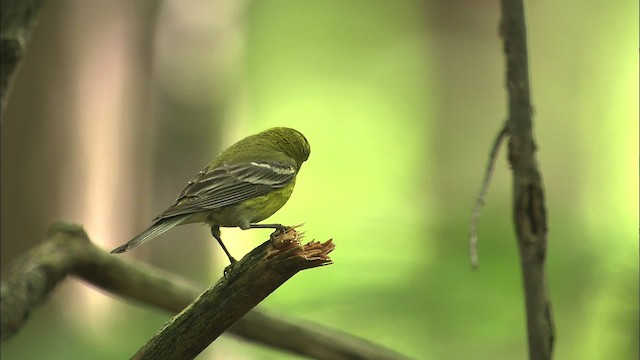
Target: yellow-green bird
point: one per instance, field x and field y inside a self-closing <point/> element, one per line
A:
<point x="245" y="184"/>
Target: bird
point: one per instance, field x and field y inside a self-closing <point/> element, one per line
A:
<point x="246" y="184"/>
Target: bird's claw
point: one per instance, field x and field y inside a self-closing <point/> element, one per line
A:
<point x="227" y="270"/>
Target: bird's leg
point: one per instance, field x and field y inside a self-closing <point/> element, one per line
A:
<point x="215" y="231"/>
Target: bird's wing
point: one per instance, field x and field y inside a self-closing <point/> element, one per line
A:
<point x="230" y="184"/>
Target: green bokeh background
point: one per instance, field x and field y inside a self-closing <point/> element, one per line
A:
<point x="400" y="102"/>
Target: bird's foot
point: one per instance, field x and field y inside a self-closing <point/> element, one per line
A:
<point x="227" y="270"/>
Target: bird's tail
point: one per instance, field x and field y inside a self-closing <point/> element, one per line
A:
<point x="153" y="231"/>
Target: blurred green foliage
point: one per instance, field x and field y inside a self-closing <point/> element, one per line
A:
<point x="400" y="102"/>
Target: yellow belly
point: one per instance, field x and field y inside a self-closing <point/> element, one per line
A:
<point x="249" y="211"/>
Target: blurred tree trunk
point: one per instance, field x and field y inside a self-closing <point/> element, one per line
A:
<point x="464" y="33"/>
<point x="72" y="140"/>
<point x="110" y="116"/>
<point x="196" y="70"/>
<point x="75" y="128"/>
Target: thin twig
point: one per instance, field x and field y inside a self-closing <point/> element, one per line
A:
<point x="475" y="214"/>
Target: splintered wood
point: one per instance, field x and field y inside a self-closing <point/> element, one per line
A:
<point x="288" y="240"/>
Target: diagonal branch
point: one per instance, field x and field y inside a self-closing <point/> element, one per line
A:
<point x="68" y="251"/>
<point x="253" y="278"/>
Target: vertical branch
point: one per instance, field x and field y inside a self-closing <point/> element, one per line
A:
<point x="529" y="212"/>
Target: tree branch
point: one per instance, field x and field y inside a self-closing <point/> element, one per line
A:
<point x="252" y="279"/>
<point x="529" y="212"/>
<point x="18" y="19"/>
<point x="68" y="251"/>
